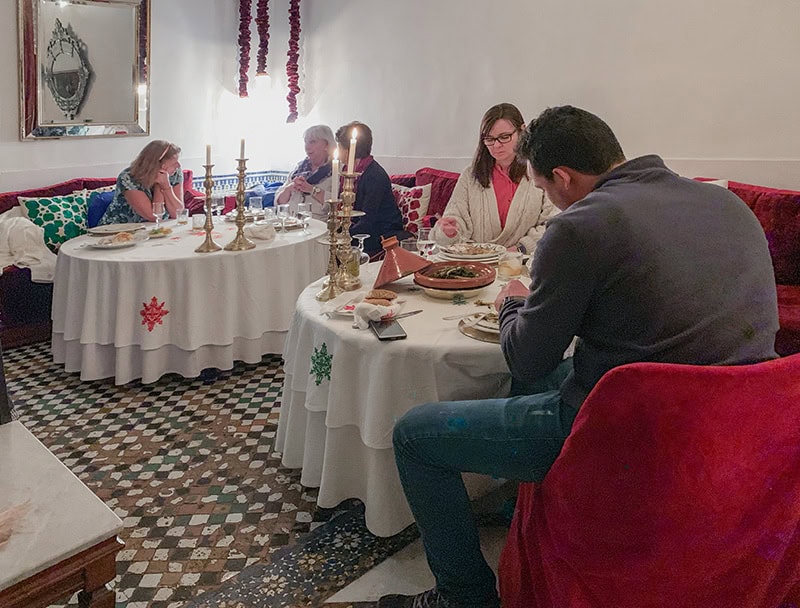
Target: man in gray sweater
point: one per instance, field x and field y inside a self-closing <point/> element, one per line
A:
<point x="640" y="265"/>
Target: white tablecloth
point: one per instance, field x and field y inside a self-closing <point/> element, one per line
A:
<point x="339" y="429"/>
<point x="159" y="307"/>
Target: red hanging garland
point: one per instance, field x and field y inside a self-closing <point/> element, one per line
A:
<point x="293" y="54"/>
<point x="262" y="23"/>
<point x="245" y="16"/>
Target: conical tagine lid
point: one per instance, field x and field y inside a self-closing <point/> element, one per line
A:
<point x="397" y="263"/>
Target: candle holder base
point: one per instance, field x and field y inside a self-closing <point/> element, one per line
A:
<point x="328" y="292"/>
<point x="240" y="243"/>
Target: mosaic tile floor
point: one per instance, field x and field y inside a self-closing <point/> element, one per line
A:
<point x="190" y="468"/>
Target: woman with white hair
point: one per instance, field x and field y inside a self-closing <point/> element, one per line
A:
<point x="310" y="182"/>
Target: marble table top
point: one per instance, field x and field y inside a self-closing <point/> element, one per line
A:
<point x="46" y="513"/>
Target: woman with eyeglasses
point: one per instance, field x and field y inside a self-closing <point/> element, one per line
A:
<point x="494" y="200"/>
<point x="153" y="184"/>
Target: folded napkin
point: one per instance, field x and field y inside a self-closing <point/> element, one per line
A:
<point x="364" y="312"/>
<point x="263" y="232"/>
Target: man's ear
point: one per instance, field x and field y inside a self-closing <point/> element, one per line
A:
<point x="564" y="176"/>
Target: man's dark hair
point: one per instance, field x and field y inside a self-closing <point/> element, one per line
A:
<point x="570" y="137"/>
<point x="364" y="143"/>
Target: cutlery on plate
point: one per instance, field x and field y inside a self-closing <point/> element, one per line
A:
<point x="473" y="322"/>
<point x="454" y="317"/>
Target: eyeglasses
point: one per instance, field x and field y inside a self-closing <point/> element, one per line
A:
<point x="503" y="138"/>
<point x="164" y="153"/>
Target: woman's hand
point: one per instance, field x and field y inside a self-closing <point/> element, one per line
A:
<point x="301" y="185"/>
<point x="448" y="226"/>
<point x="162" y="179"/>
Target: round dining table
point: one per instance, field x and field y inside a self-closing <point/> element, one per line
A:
<point x="159" y="307"/>
<point x="344" y="389"/>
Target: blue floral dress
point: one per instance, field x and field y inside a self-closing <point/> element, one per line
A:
<point x="119" y="210"/>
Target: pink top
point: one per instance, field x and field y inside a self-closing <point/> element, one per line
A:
<point x="504" y="190"/>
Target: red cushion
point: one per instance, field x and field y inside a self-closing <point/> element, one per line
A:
<point x="9" y="199"/>
<point x="442" y="185"/>
<point x="787" y="341"/>
<point x="779" y="214"/>
<point x="405" y="179"/>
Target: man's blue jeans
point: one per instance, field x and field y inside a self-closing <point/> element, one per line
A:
<point x="515" y="438"/>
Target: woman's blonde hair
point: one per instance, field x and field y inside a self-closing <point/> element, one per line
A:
<point x="145" y="168"/>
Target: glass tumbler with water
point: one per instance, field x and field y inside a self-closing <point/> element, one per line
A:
<point x="425" y="243"/>
<point x="304" y="213"/>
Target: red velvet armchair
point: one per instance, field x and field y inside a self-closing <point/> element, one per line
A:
<point x="679" y="486"/>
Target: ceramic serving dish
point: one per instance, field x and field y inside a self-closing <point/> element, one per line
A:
<point x="432" y="276"/>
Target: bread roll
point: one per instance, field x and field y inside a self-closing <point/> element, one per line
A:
<point x="378" y="301"/>
<point x="381" y="294"/>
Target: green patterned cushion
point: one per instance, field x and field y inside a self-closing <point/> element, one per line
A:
<point x="61" y="217"/>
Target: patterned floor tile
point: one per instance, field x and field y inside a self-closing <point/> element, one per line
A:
<point x="188" y="465"/>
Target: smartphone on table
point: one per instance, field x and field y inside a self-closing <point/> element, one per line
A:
<point x="387" y="330"/>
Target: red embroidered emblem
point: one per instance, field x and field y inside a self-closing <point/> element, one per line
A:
<point x="153" y="313"/>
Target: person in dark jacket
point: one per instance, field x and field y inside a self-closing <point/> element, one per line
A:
<point x="373" y="190"/>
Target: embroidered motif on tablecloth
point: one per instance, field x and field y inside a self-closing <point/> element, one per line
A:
<point x="321" y="364"/>
<point x="153" y="313"/>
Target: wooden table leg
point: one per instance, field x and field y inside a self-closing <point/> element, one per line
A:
<point x="87" y="572"/>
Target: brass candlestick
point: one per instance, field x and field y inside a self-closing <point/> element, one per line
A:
<point x="347" y="276"/>
<point x="330" y="289"/>
<point x="208" y="244"/>
<point x="240" y="242"/>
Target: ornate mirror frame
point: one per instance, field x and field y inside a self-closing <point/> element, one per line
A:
<point x="84" y="68"/>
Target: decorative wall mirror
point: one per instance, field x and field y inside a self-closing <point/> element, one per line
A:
<point x="84" y="68"/>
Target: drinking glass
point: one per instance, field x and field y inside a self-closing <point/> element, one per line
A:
<point x="363" y="256"/>
<point x="283" y="215"/>
<point x="304" y="213"/>
<point x="256" y="205"/>
<point x="425" y="244"/>
<point x="158" y="211"/>
<point x="183" y="217"/>
<point x="217" y="204"/>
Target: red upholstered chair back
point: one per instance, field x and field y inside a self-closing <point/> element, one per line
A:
<point x="678" y="487"/>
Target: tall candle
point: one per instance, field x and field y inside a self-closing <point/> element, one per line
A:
<point x="335" y="175"/>
<point x="241" y="150"/>
<point x="208" y="154"/>
<point x="351" y="158"/>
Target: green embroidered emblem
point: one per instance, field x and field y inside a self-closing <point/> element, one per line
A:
<point x="321" y="364"/>
<point x="459" y="299"/>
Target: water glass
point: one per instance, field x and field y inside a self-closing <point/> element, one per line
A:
<point x="425" y="244"/>
<point x="158" y="211"/>
<point x="256" y="205"/>
<point x="183" y="217"/>
<point x="283" y="215"/>
<point x="509" y="266"/>
<point x="304" y="213"/>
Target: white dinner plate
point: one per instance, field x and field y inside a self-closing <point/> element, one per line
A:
<point x="449" y="294"/>
<point x="491" y="326"/>
<point x="492" y="259"/>
<point x="109" y="229"/>
<point x="474" y="251"/>
<point x="158" y="235"/>
<point x="122" y="245"/>
<point x="346" y="309"/>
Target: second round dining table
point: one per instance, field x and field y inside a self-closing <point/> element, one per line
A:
<point x="160" y="307"/>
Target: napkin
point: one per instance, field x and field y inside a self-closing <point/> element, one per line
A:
<point x="264" y="232"/>
<point x="364" y="312"/>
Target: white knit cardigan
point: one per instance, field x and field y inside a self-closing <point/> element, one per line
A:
<point x="475" y="210"/>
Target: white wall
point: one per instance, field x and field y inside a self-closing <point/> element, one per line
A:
<point x="713" y="86"/>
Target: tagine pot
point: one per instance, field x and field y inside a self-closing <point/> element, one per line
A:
<point x="397" y="263"/>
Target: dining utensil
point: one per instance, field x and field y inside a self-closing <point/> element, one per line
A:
<point x="410" y="313"/>
<point x="472" y="322"/>
<point x="463" y="316"/>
